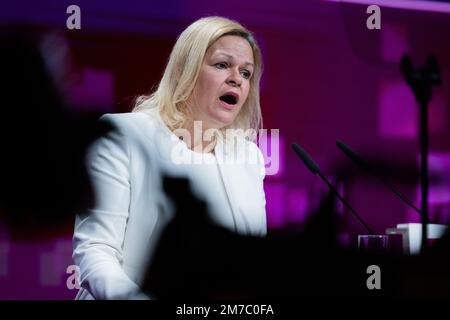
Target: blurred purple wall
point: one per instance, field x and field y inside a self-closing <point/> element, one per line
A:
<point x="326" y="77"/>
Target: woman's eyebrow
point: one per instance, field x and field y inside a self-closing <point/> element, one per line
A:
<point x="230" y="57"/>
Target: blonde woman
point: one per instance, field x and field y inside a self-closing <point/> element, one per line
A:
<point x="194" y="125"/>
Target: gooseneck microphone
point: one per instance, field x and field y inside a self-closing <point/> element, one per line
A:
<point x="369" y="168"/>
<point x="314" y="168"/>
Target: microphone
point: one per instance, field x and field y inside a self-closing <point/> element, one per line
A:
<point x="366" y="166"/>
<point x="314" y="168"/>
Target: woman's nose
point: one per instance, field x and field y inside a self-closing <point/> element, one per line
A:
<point x="234" y="79"/>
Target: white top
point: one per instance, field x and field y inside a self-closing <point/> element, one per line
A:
<point x="126" y="165"/>
<point x="207" y="184"/>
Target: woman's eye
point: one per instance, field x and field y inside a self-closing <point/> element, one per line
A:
<point x="221" y="65"/>
<point x="246" y="74"/>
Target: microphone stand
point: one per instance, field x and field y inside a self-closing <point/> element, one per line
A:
<point x="347" y="205"/>
<point x="421" y="82"/>
<point x="314" y="168"/>
<point x="424" y="172"/>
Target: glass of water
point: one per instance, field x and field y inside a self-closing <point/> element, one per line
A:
<point x="373" y="243"/>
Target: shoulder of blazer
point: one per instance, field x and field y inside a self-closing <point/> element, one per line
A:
<point x="128" y="119"/>
<point x="134" y="125"/>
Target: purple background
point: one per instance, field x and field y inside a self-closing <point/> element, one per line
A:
<point x="326" y="77"/>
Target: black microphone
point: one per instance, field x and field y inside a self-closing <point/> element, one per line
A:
<point x="366" y="166"/>
<point x="314" y="168"/>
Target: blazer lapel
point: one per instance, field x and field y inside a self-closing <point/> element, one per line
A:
<point x="226" y="171"/>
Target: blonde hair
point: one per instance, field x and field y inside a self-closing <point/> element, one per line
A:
<point x="182" y="70"/>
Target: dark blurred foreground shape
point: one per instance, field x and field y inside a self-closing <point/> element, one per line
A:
<point x="44" y="180"/>
<point x="197" y="259"/>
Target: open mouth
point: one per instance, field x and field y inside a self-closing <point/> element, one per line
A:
<point x="230" y="99"/>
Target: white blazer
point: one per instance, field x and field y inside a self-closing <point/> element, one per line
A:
<point x="113" y="241"/>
